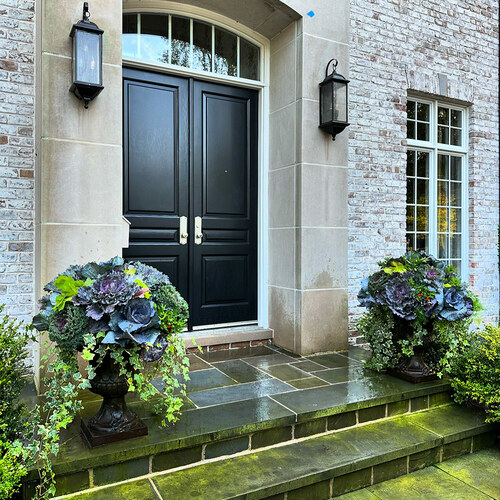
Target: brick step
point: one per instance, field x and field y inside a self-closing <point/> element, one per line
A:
<point x="323" y="466"/>
<point x="231" y="428"/>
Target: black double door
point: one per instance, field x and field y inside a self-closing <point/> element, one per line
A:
<point x="190" y="189"/>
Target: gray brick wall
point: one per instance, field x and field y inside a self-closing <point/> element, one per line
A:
<point x="17" y="153"/>
<point x="396" y="46"/>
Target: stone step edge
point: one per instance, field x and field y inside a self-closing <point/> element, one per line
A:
<point x="480" y="431"/>
<point x="436" y="397"/>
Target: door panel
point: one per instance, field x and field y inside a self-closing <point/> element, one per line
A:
<point x="225" y="161"/>
<point x="224" y="194"/>
<point x="156" y="171"/>
<point x="190" y="149"/>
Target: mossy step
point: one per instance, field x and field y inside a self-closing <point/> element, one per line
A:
<point x="473" y="476"/>
<point x="267" y="420"/>
<point x="328" y="465"/>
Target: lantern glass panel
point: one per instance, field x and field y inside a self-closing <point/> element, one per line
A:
<point x="327" y="102"/>
<point x="340" y="96"/>
<point x="87" y="57"/>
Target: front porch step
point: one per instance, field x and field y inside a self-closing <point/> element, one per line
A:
<point x="232" y="428"/>
<point x="324" y="466"/>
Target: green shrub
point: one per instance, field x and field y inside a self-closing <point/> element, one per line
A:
<point x="12" y="470"/>
<point x="14" y="338"/>
<point x="475" y="373"/>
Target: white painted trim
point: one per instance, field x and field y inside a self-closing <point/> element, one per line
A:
<point x="164" y="6"/>
<point x="172" y="69"/>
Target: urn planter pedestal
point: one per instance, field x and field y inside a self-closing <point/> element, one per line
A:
<point x="114" y="421"/>
<point x="414" y="369"/>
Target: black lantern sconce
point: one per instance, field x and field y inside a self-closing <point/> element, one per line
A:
<point x="87" y="58"/>
<point x="333" y="104"/>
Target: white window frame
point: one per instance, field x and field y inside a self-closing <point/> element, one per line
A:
<point x="434" y="148"/>
<point x="168" y="8"/>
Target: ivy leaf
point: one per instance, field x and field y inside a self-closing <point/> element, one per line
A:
<point x="87" y="355"/>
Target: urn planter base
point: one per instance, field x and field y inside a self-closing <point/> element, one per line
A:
<point x="94" y="438"/>
<point x="114" y="421"/>
<point x="414" y="370"/>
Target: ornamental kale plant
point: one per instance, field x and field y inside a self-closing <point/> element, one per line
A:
<point x="412" y="301"/>
<point x="129" y="312"/>
<point x="113" y="299"/>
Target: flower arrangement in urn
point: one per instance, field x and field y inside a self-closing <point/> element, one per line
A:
<point x="417" y="309"/>
<point x="124" y="319"/>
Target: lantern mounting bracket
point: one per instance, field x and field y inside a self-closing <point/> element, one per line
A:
<point x="334" y="66"/>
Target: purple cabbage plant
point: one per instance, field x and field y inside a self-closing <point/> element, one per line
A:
<point x="417" y="287"/>
<point x="112" y="297"/>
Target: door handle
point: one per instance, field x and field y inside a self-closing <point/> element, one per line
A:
<point x="198" y="231"/>
<point x="183" y="234"/>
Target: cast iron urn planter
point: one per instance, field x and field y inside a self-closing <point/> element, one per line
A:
<point x="114" y="421"/>
<point x="414" y="369"/>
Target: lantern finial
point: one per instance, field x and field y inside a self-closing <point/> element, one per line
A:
<point x="86" y="13"/>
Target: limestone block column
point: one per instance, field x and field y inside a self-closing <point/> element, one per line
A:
<point x="308" y="190"/>
<point x="80" y="170"/>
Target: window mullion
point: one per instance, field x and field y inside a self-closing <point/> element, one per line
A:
<point x="139" y="35"/>
<point x="190" y="65"/>
<point x="169" y="39"/>
<point x="433" y="202"/>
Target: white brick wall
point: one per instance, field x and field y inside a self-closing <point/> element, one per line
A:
<point x="396" y="46"/>
<point x="17" y="195"/>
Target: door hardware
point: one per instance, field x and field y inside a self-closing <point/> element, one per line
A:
<point x="183" y="234"/>
<point x="198" y="232"/>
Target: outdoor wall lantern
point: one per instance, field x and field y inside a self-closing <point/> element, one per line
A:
<point x="333" y="101"/>
<point x="87" y="58"/>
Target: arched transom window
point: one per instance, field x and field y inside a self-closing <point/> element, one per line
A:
<point x="189" y="43"/>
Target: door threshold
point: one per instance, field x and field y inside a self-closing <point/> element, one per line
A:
<point x="218" y="326"/>
<point x="226" y="336"/>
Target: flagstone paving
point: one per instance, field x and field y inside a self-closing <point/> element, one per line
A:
<point x="251" y="389"/>
<point x="241" y="400"/>
<point x="471" y="477"/>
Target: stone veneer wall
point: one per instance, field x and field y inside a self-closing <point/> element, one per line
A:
<point x="307" y="186"/>
<point x="17" y="156"/>
<point x="399" y="46"/>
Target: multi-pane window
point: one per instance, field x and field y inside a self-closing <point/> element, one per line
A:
<point x="436" y="171"/>
<point x="181" y="41"/>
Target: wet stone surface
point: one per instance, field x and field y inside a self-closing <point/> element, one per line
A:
<point x="473" y="476"/>
<point x="262" y="391"/>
